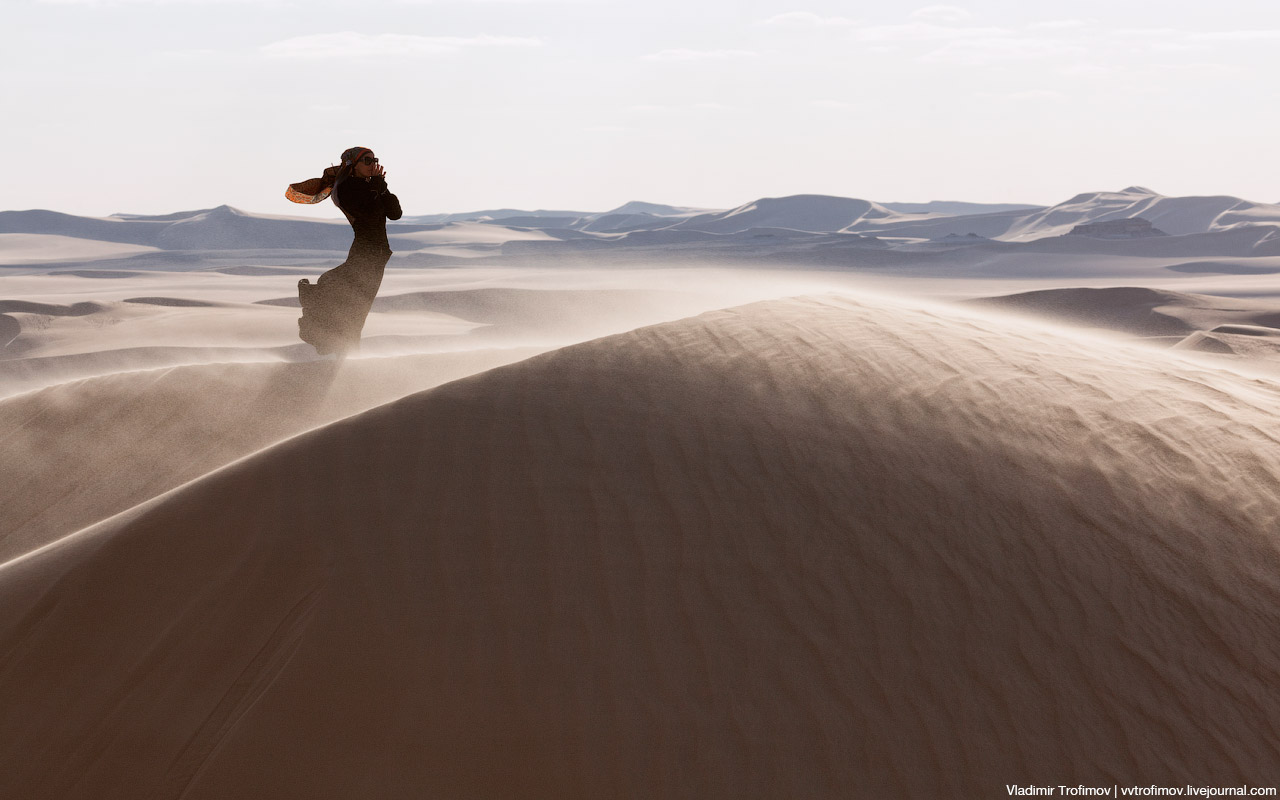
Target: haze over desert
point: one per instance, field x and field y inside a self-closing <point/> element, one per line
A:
<point x="781" y="500"/>
<point x="473" y="399"/>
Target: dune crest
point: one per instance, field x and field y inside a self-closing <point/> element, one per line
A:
<point x="82" y="451"/>
<point x="806" y="548"/>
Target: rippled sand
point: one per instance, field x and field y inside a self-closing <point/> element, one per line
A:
<point x="819" y="547"/>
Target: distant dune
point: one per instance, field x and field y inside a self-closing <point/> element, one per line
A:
<point x="1173" y="215"/>
<point x="818" y="231"/>
<point x="804" y="548"/>
<point x="815" y="213"/>
<point x="952" y="208"/>
<point x="1178" y="216"/>
<point x="29" y="248"/>
<point x="1140" y="311"/>
<point x="81" y="309"/>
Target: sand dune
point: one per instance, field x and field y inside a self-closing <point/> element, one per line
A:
<point x="468" y="233"/>
<point x="20" y="375"/>
<point x="498" y="214"/>
<point x="9" y="330"/>
<point x="818" y="213"/>
<point x="1139" y="310"/>
<point x="30" y="248"/>
<point x="800" y="230"/>
<point x="101" y="274"/>
<point x="80" y="452"/>
<point x="509" y="311"/>
<point x="805" y="548"/>
<point x="42" y="222"/>
<point x="158" y="322"/>
<point x="123" y="325"/>
<point x="80" y="309"/>
<point x="1173" y="215"/>
<point x="53" y="236"/>
<point x="74" y="328"/>
<point x="951" y="208"/>
<point x="1179" y="216"/>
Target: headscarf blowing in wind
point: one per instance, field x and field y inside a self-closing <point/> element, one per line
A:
<point x="335" y="307"/>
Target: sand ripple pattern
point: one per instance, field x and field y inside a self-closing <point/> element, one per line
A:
<point x="819" y="547"/>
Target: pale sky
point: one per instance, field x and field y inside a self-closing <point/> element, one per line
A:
<point x="153" y="106"/>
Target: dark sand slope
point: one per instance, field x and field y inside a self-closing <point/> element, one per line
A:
<point x="807" y="548"/>
<point x="77" y="453"/>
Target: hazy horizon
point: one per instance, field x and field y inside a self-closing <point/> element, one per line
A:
<point x="326" y="212"/>
<point x="147" y="106"/>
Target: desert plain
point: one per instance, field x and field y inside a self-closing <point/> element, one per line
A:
<point x="811" y="497"/>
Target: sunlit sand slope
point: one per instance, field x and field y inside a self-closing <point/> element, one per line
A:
<point x="1139" y="310"/>
<point x="805" y="548"/>
<point x="77" y="453"/>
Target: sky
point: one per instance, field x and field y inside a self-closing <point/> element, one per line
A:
<point x="155" y="106"/>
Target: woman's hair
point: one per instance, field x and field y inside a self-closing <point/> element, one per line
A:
<point x="335" y="175"/>
<point x="319" y="189"/>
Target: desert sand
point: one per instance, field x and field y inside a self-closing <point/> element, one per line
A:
<point x="689" y="522"/>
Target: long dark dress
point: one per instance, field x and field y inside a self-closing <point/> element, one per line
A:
<point x="334" y="309"/>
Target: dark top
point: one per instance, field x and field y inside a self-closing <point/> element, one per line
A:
<point x="368" y="204"/>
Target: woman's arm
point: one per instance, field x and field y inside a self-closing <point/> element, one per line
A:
<point x="390" y="203"/>
<point x="369" y="198"/>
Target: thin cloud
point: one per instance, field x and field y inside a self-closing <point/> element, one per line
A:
<point x="1172" y="40"/>
<point x="1059" y="25"/>
<point x="1028" y="96"/>
<point x="699" y="55"/>
<point x="360" y="45"/>
<point x="1081" y="40"/>
<point x="157" y="2"/>
<point x="488" y="2"/>
<point x="1086" y="70"/>
<point x="1236" y="36"/>
<point x="924" y="32"/>
<point x="659" y="109"/>
<point x="981" y="52"/>
<point x="1159" y="40"/>
<point x="1148" y="34"/>
<point x="196" y="54"/>
<point x="1189" y="71"/>
<point x="806" y="19"/>
<point x="942" y="13"/>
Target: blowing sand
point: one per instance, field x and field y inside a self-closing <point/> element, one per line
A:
<point x="817" y="547"/>
<point x="82" y="451"/>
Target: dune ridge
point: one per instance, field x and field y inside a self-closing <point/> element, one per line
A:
<point x="818" y="547"/>
<point x="1138" y="310"/>
<point x="798" y="230"/>
<point x="79" y="452"/>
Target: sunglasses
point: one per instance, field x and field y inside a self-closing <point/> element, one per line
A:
<point x="368" y="161"/>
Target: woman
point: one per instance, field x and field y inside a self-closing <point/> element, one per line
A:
<point x="334" y="309"/>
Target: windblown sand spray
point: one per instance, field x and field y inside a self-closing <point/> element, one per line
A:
<point x="80" y="452"/>
<point x="820" y="547"/>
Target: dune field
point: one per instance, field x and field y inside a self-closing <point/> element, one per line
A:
<point x="814" y="497"/>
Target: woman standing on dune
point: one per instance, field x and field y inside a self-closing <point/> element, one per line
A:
<point x="334" y="309"/>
